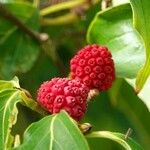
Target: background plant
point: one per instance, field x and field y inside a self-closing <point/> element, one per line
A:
<point x="37" y="40"/>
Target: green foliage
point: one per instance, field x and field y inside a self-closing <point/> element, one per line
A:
<point x="141" y="22"/>
<point x="18" y="51"/>
<point x="9" y="97"/>
<point x="23" y="55"/>
<point x="111" y="29"/>
<point x="124" y="41"/>
<point x="128" y="144"/>
<point x="56" y="132"/>
<point x="117" y="110"/>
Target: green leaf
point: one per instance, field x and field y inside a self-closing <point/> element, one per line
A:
<point x="9" y="84"/>
<point x="141" y="22"/>
<point x="114" y="29"/>
<point x="9" y="97"/>
<point x="117" y="110"/>
<point x="128" y="144"/>
<point x="125" y="100"/>
<point x="55" y="132"/>
<point x="18" y="51"/>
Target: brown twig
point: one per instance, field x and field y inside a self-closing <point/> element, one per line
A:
<point x="4" y="12"/>
<point x="43" y="38"/>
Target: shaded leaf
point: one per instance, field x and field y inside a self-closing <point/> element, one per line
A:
<point x="125" y="100"/>
<point x="43" y="70"/>
<point x="117" y="110"/>
<point x="55" y="132"/>
<point x="18" y="51"/>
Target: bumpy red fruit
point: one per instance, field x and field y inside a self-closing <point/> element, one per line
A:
<point x="93" y="64"/>
<point x="62" y="93"/>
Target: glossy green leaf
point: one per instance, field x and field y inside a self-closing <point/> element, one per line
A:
<point x="55" y="132"/>
<point x="114" y="29"/>
<point x="18" y="51"/>
<point x="9" y="97"/>
<point x="128" y="144"/>
<point x="141" y="13"/>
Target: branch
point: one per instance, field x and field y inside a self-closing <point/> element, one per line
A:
<point x="33" y="105"/>
<point x="4" y="12"/>
<point x="42" y="38"/>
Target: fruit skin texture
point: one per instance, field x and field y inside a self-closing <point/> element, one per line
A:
<point x="93" y="64"/>
<point x="62" y="93"/>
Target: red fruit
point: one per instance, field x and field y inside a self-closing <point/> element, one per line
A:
<point x="93" y="65"/>
<point x="62" y="93"/>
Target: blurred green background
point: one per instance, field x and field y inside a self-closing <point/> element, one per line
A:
<point x="115" y="110"/>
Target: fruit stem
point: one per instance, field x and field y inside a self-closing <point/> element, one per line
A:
<point x="32" y="104"/>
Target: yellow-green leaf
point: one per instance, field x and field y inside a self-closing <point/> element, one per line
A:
<point x="127" y="144"/>
<point x="141" y="21"/>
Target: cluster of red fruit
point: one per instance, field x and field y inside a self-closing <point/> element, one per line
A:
<point x="91" y="68"/>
